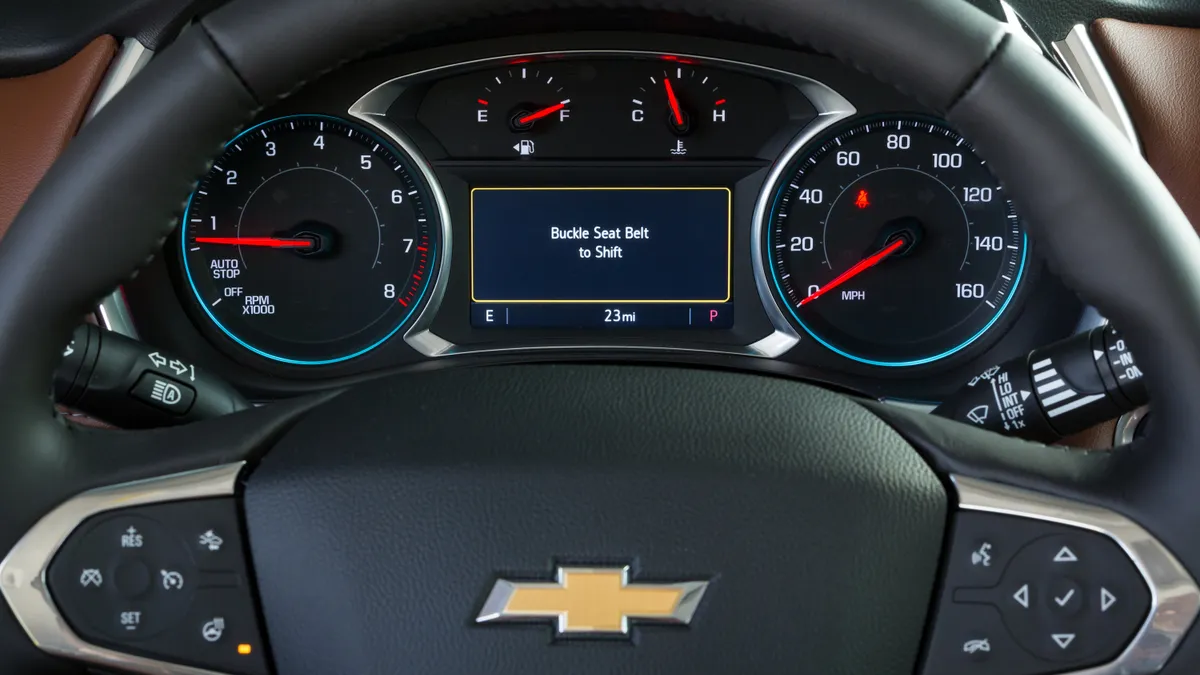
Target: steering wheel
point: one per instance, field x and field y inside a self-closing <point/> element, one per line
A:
<point x="816" y="532"/>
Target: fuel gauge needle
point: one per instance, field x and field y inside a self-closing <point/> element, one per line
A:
<point x="544" y="112"/>
<point x="858" y="268"/>
<point x="263" y="242"/>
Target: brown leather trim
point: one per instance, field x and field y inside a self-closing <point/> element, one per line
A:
<point x="1099" y="437"/>
<point x="38" y="114"/>
<point x="1157" y="71"/>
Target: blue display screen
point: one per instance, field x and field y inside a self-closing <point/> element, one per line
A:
<point x="615" y="247"/>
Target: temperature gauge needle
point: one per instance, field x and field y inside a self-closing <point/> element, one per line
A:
<point x="674" y="101"/>
<point x="544" y="112"/>
<point x="859" y="267"/>
<point x="264" y="242"/>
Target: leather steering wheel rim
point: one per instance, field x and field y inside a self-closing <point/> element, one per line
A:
<point x="1103" y="218"/>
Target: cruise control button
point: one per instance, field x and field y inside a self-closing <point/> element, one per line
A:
<point x="91" y="576"/>
<point x="107" y="579"/>
<point x="133" y="622"/>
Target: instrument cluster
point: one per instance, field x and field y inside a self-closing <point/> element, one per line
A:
<point x="706" y="201"/>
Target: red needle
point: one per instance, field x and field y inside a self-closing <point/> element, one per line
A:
<point x="674" y="103"/>
<point x="859" y="267"/>
<point x="544" y="112"/>
<point x="266" y="242"/>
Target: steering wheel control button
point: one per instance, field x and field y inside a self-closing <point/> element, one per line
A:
<point x="164" y="393"/>
<point x="972" y="640"/>
<point x="166" y="581"/>
<point x="220" y="632"/>
<point x="1023" y="596"/>
<point x="1107" y="599"/>
<point x="1066" y="597"/>
<point x="979" y="557"/>
<point x="106" y="578"/>
<point x="130" y="621"/>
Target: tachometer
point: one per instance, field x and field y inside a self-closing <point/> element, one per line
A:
<point x="311" y="240"/>
<point x="892" y="244"/>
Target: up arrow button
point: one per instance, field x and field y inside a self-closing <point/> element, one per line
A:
<point x="1107" y="599"/>
<point x="1065" y="554"/>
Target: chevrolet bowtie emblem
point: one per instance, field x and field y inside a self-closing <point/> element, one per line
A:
<point x="590" y="600"/>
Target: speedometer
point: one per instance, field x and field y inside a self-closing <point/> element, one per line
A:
<point x="892" y="244"/>
<point x="311" y="240"/>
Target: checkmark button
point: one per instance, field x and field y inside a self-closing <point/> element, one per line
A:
<point x="1062" y="602"/>
<point x="1065" y="597"/>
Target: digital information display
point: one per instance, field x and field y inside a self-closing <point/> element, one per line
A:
<point x="601" y="258"/>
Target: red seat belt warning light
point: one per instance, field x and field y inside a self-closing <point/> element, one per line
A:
<point x="862" y="201"/>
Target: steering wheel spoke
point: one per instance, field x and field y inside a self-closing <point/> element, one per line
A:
<point x="78" y="473"/>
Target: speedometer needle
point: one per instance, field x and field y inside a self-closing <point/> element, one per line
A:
<point x="544" y="112"/>
<point x="859" y="267"/>
<point x="675" y="111"/>
<point x="264" y="242"/>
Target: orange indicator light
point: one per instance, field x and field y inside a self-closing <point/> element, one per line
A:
<point x="244" y="649"/>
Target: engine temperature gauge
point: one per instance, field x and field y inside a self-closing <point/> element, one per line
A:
<point x="686" y="101"/>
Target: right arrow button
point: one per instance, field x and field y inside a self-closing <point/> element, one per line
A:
<point x="1107" y="599"/>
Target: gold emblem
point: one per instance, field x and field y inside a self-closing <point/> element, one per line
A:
<point x="591" y="600"/>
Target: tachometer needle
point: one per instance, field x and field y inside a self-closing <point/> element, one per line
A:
<point x="675" y="111"/>
<point x="265" y="242"/>
<point x="544" y="112"/>
<point x="859" y="267"/>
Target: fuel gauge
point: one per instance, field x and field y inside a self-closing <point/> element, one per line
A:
<point x="526" y="100"/>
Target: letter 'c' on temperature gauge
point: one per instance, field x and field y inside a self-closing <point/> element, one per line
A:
<point x="311" y="240"/>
